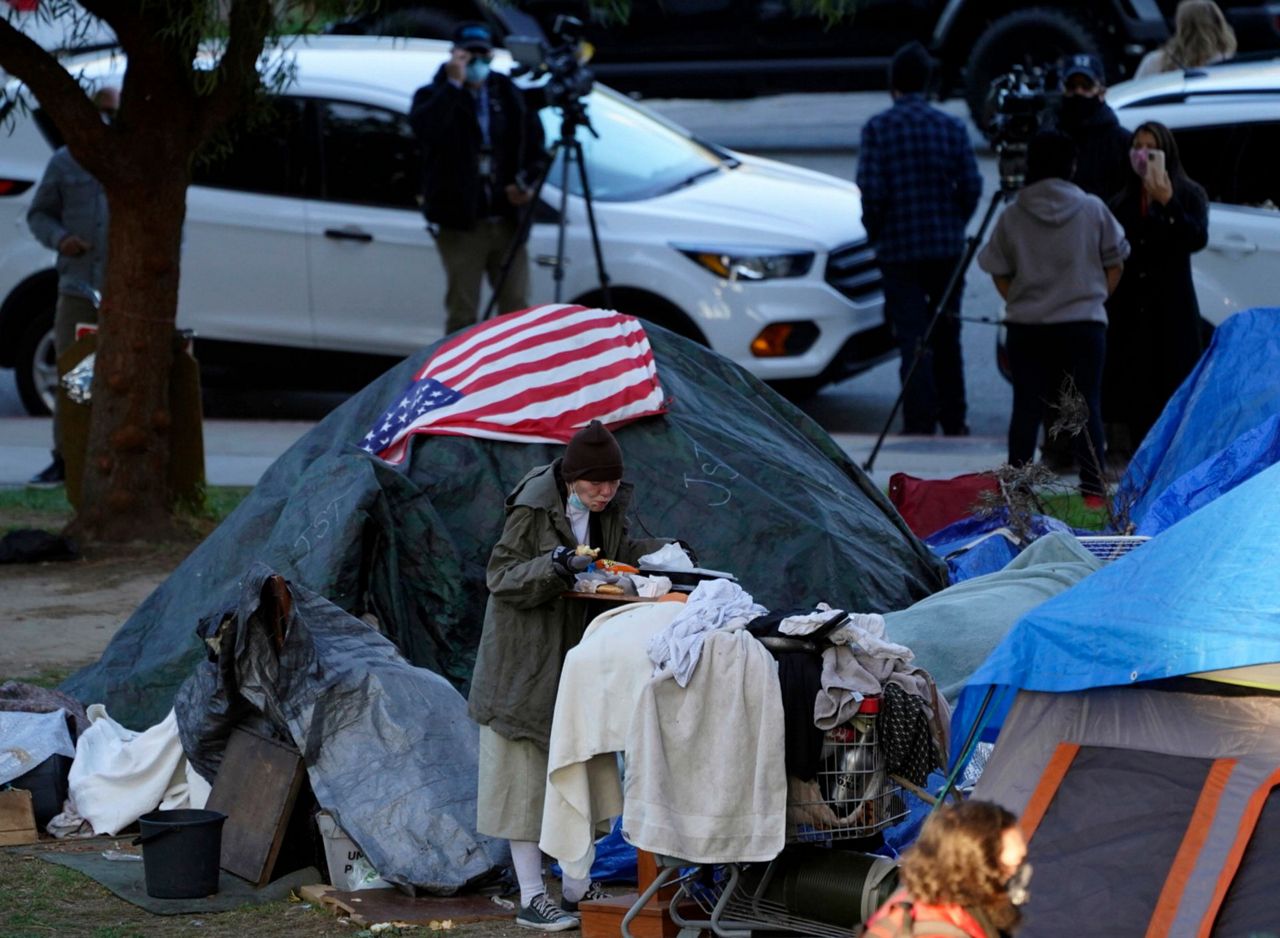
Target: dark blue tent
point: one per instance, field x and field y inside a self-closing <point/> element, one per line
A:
<point x="1231" y="392"/>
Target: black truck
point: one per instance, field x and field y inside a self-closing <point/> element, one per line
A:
<point x="739" y="48"/>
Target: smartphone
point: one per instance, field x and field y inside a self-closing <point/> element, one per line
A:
<point x="1155" y="162"/>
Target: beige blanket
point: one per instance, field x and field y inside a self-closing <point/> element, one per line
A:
<point x="600" y="685"/>
<point x="706" y="780"/>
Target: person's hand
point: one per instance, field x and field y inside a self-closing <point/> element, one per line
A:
<point x="73" y="246"/>
<point x="456" y="68"/>
<point x="569" y="562"/>
<point x="518" y="196"/>
<point x="1158" y="185"/>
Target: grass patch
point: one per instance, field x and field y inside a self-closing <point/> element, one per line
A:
<point x="48" y="677"/>
<point x="49" y="510"/>
<point x="1069" y="507"/>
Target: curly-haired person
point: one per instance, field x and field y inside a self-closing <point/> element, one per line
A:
<point x="966" y="876"/>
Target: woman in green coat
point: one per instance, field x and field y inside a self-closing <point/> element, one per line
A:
<point x="529" y="627"/>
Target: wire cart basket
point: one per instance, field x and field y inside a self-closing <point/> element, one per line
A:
<point x="1109" y="547"/>
<point x="851" y="798"/>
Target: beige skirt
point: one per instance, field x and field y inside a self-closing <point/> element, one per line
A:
<point x="513" y="784"/>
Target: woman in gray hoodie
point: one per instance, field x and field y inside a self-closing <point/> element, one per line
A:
<point x="1055" y="256"/>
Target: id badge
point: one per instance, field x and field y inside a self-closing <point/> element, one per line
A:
<point x="485" y="165"/>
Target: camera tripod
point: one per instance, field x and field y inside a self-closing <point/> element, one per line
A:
<point x="569" y="148"/>
<point x="1009" y="185"/>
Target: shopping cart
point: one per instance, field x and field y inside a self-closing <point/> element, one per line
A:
<point x="813" y="887"/>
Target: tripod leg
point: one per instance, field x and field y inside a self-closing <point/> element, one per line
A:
<point x="591" y="223"/>
<point x="971" y="248"/>
<point x="568" y="152"/>
<point x="522" y="232"/>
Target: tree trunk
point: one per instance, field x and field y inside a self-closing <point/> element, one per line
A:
<point x="126" y="492"/>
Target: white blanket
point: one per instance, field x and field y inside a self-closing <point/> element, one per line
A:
<point x="119" y="775"/>
<point x="599" y="686"/>
<point x="706" y="779"/>
<point x="713" y="604"/>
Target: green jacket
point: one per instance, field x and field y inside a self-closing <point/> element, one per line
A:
<point x="528" y="626"/>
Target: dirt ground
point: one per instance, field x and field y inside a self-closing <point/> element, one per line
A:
<point x="55" y="618"/>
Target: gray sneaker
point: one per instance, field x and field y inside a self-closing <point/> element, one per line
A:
<point x="594" y="891"/>
<point x="545" y="915"/>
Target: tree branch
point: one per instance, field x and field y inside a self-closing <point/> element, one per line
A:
<point x="236" y="78"/>
<point x="54" y="87"/>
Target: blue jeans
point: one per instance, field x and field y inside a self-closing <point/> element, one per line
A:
<point x="935" y="394"/>
<point x="1041" y="358"/>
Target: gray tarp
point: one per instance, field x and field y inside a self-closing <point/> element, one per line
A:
<point x="389" y="749"/>
<point x="752" y="483"/>
<point x="952" y="632"/>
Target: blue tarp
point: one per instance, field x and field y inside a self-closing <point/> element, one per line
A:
<point x="1246" y="456"/>
<point x="975" y="546"/>
<point x="1199" y="597"/>
<point x="1232" y="390"/>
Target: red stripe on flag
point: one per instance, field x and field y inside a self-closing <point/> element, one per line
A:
<point x="549" y="392"/>
<point x="641" y="358"/>
<point x="567" y="332"/>
<point x="494" y="329"/>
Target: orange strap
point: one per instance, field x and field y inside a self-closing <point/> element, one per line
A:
<point x="1184" y="862"/>
<point x="1054" y="772"/>
<point x="1248" y="821"/>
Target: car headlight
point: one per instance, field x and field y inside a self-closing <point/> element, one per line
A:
<point x="733" y="264"/>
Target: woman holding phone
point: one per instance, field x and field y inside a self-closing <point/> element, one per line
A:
<point x="1153" y="334"/>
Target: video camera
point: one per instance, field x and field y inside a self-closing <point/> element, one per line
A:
<point x="1019" y="103"/>
<point x="569" y="79"/>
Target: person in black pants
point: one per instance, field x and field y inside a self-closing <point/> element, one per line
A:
<point x="482" y="149"/>
<point x="920" y="185"/>
<point x="1055" y="255"/>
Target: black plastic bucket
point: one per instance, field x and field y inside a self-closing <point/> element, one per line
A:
<point x="181" y="852"/>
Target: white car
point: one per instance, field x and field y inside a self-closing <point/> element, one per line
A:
<point x="1226" y="120"/>
<point x="305" y="242"/>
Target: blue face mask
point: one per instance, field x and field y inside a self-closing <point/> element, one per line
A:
<point x="575" y="502"/>
<point x="477" y="71"/>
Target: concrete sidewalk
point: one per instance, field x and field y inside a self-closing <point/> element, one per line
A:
<point x="238" y="452"/>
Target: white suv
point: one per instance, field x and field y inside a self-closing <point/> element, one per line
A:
<point x="1227" y="123"/>
<point x="305" y="243"/>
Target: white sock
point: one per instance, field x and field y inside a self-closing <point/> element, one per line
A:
<point x="574" y="889"/>
<point x="527" y="860"/>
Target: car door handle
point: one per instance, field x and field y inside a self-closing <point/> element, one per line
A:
<point x="548" y="260"/>
<point x="1233" y="244"/>
<point x="348" y="234"/>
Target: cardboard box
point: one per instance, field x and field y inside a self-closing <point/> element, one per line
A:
<point x="349" y="870"/>
<point x="17" y="818"/>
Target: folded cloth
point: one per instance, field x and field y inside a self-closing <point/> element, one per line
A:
<point x="858" y="665"/>
<point x="600" y="683"/>
<point x="809" y="622"/>
<point x="706" y="779"/>
<point x="667" y="557"/>
<point x="713" y="605"/>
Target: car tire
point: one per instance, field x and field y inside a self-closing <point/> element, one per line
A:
<point x="1038" y="36"/>
<point x="35" y="366"/>
<point x="416" y="24"/>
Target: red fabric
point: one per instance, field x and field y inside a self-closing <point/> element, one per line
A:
<point x="888" y="921"/>
<point x="927" y="505"/>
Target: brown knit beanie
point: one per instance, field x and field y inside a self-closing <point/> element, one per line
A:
<point x="593" y="454"/>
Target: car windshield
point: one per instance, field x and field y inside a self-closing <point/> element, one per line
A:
<point x="635" y="156"/>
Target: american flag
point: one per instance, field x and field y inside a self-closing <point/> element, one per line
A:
<point x="536" y="376"/>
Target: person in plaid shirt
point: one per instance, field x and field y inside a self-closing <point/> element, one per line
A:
<point x="920" y="186"/>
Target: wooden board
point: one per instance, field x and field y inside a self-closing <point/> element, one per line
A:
<point x="17" y="818"/>
<point x="256" y="789"/>
<point x="369" y="906"/>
